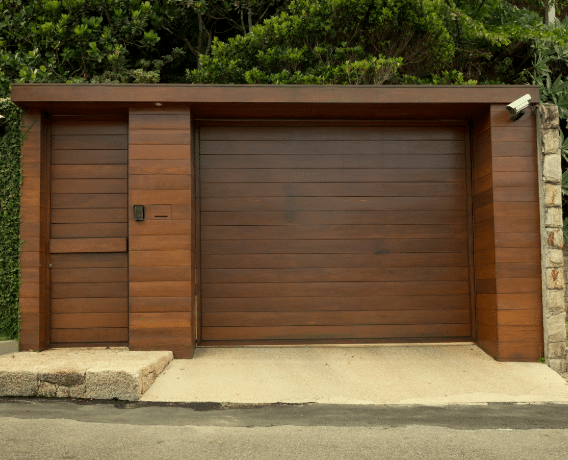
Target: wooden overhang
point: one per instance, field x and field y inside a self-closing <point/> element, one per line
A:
<point x="279" y="101"/>
<point x="503" y="205"/>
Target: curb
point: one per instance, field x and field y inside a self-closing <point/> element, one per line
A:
<point x="9" y="346"/>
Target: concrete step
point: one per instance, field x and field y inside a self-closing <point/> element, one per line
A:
<point x="94" y="373"/>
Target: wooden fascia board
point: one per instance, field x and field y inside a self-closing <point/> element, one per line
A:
<point x="36" y="94"/>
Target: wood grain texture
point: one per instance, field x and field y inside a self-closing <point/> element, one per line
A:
<point x="306" y="226"/>
<point x="162" y="271"/>
<point x="74" y="245"/>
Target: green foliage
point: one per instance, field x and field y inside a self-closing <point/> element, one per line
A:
<point x="334" y="42"/>
<point x="10" y="246"/>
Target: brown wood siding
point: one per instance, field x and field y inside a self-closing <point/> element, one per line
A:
<point x="88" y="231"/>
<point x="162" y="249"/>
<point x="507" y="237"/>
<point x="34" y="311"/>
<point x="315" y="233"/>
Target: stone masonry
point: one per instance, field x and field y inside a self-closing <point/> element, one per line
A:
<point x="552" y="260"/>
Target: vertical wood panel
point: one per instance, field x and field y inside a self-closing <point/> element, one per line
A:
<point x="160" y="164"/>
<point x="32" y="258"/>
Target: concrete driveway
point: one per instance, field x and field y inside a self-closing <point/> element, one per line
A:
<point x="428" y="374"/>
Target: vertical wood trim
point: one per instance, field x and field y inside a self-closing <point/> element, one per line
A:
<point x="470" y="220"/>
<point x="46" y="217"/>
<point x="32" y="333"/>
<point x="197" y="230"/>
<point x="486" y="332"/>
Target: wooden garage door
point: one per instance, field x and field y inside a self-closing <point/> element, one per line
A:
<point x="328" y="234"/>
<point x="88" y="231"/>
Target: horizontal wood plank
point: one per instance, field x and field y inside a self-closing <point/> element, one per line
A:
<point x="88" y="320"/>
<point x="335" y="318"/>
<point x="89" y="157"/>
<point x="95" y="335"/>
<point x="341" y="289"/>
<point x="89" y="171"/>
<point x="84" y="290"/>
<point x="87" y="142"/>
<point x="399" y="301"/>
<point x="73" y="245"/>
<point x="324" y="146"/>
<point x="89" y="186"/>
<point x="89" y="305"/>
<point x="333" y="332"/>
<point x="305" y="134"/>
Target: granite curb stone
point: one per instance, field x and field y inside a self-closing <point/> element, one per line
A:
<point x="93" y="373"/>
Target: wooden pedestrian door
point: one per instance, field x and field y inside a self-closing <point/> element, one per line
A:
<point x="333" y="233"/>
<point x="88" y="231"/>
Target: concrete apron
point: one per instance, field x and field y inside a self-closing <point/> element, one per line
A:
<point x="432" y="374"/>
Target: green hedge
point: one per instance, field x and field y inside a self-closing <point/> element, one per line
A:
<point x="10" y="244"/>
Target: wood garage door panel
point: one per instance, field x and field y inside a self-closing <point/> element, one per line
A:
<point x="314" y="233"/>
<point x="89" y="275"/>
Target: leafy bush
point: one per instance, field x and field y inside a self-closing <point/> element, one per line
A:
<point x="334" y="42"/>
<point x="10" y="245"/>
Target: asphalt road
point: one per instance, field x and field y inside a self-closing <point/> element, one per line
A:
<point x="79" y="429"/>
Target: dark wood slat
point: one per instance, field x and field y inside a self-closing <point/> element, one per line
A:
<point x="90" y="142"/>
<point x="89" y="157"/>
<point x="89" y="275"/>
<point x="161" y="289"/>
<point x="323" y="146"/>
<point x="159" y="181"/>
<point x="332" y="190"/>
<point x="332" y="175"/>
<point x="331" y="217"/>
<point x="159" y="242"/>
<point x="299" y="204"/>
<point x="371" y="246"/>
<point x="161" y="152"/>
<point x="160" y="258"/>
<point x="87" y="126"/>
<point x="399" y="301"/>
<point x="95" y="335"/>
<point x="89" y="171"/>
<point x="335" y="318"/>
<point x="160" y="227"/>
<point x="157" y="120"/>
<point x="141" y="321"/>
<point x="161" y="273"/>
<point x="89" y="305"/>
<point x="161" y="196"/>
<point x="159" y="304"/>
<point x="251" y="290"/>
<point x="333" y="159"/>
<point x="89" y="186"/>
<point x="88" y="200"/>
<point x="283" y="261"/>
<point x="326" y="232"/>
<point x="369" y="133"/>
<point x="90" y="230"/>
<point x="334" y="332"/>
<point x="159" y="136"/>
<point x="89" y="215"/>
<point x="310" y="275"/>
<point x="71" y="245"/>
<point x="161" y="167"/>
<point x="83" y="290"/>
<point x="111" y="260"/>
<point x="88" y="320"/>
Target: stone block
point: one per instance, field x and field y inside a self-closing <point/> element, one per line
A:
<point x="112" y="384"/>
<point x="554" y="238"/>
<point x="554" y="301"/>
<point x="555" y="278"/>
<point x="552" y="197"/>
<point x="557" y="365"/>
<point x="548" y="116"/>
<point x="550" y="141"/>
<point x="551" y="169"/>
<point x="73" y="391"/>
<point x="20" y="383"/>
<point x="47" y="390"/>
<point x="553" y="216"/>
<point x="63" y="377"/>
<point x="555" y="258"/>
<point x="556" y="350"/>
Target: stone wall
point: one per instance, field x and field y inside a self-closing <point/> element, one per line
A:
<point x="550" y="203"/>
